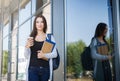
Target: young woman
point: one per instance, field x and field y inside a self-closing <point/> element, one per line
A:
<point x="102" y="70"/>
<point x="38" y="69"/>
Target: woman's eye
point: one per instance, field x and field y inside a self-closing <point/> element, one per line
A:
<point x="37" y="22"/>
<point x="41" y="21"/>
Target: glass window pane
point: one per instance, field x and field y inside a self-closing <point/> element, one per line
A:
<point x="6" y="30"/>
<point x="24" y="32"/>
<point x="13" y="44"/>
<point x="47" y="13"/>
<point x="33" y="6"/>
<point x="6" y="11"/>
<point x="14" y="20"/>
<point x="5" y="58"/>
<point x="36" y="4"/>
<point x="25" y="11"/>
<point x="80" y="30"/>
<point x="5" y="52"/>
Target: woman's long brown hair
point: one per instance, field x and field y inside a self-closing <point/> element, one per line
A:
<point x="34" y="31"/>
<point x="100" y="30"/>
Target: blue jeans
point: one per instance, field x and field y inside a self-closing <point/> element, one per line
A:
<point x="38" y="74"/>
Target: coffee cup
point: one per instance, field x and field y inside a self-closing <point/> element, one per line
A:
<point x="31" y="41"/>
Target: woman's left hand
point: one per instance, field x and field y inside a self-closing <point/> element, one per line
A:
<point x="40" y="54"/>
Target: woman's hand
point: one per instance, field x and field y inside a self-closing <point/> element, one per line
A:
<point x="40" y="54"/>
<point x="110" y="57"/>
<point x="29" y="42"/>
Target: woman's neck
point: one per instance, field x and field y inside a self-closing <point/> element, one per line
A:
<point x="40" y="33"/>
<point x="100" y="37"/>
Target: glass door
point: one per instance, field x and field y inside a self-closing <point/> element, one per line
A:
<point x="82" y="17"/>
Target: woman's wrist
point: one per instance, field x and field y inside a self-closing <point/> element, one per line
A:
<point x="27" y="46"/>
<point x="106" y="57"/>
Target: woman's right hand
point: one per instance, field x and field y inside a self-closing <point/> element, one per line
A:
<point x="29" y="42"/>
<point x="110" y="57"/>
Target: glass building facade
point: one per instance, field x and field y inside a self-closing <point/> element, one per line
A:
<point x="16" y="23"/>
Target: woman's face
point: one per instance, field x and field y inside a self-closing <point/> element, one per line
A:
<point x="39" y="24"/>
<point x="105" y="32"/>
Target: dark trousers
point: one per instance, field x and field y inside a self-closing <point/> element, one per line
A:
<point x="38" y="74"/>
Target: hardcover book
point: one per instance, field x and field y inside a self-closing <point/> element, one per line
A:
<point x="103" y="49"/>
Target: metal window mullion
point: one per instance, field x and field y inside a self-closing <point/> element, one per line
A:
<point x="65" y="40"/>
<point x="10" y="43"/>
<point x="9" y="50"/>
<point x="31" y="17"/>
<point x="17" y="40"/>
<point x="51" y="1"/>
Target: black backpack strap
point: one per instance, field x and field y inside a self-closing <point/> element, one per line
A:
<point x="96" y="40"/>
<point x="49" y="36"/>
<point x="92" y="40"/>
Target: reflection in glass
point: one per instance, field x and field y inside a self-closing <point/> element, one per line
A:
<point x="80" y="30"/>
<point x="5" y="52"/>
<point x="5" y="58"/>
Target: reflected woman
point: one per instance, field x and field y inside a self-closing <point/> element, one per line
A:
<point x="38" y="69"/>
<point x="102" y="69"/>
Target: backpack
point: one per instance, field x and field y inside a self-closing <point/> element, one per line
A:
<point x="56" y="61"/>
<point x="86" y="59"/>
